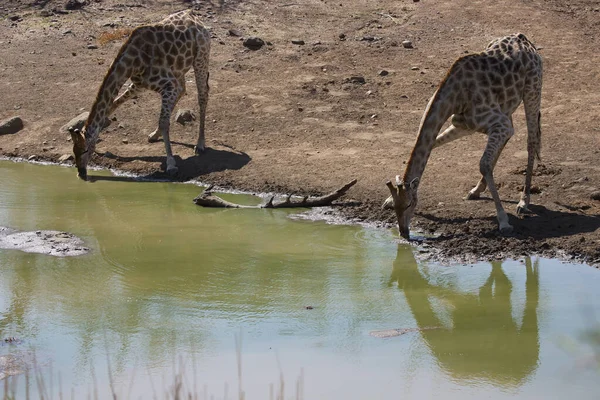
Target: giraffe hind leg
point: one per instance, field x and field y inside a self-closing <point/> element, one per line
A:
<point x="531" y="102"/>
<point x="499" y="134"/>
<point x="202" y="75"/>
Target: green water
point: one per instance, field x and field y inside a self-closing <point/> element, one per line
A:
<point x="168" y="282"/>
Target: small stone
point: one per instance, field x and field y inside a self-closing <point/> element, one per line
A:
<point x="298" y="42"/>
<point x="185" y="116"/>
<point x="309" y="307"/>
<point x="383" y="72"/>
<point x="342" y="36"/>
<point x="65" y="158"/>
<point x="74" y="4"/>
<point x="407" y="44"/>
<point x="414" y="68"/>
<point x="11" y="125"/>
<point x="253" y="43"/>
<point x="369" y="38"/>
<point x="14" y="18"/>
<point x="369" y="92"/>
<point x="234" y="33"/>
<point x="32" y="157"/>
<point x="300" y="109"/>
<point x="66" y="32"/>
<point x="357" y="79"/>
<point x="595" y="195"/>
<point x="125" y="141"/>
<point x="92" y="46"/>
<point x="45" y="13"/>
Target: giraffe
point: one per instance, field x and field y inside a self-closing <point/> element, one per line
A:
<point x="154" y="57"/>
<point x="480" y="92"/>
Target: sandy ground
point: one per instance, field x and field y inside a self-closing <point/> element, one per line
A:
<point x="287" y="118"/>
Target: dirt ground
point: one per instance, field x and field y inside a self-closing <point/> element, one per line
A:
<point x="287" y="117"/>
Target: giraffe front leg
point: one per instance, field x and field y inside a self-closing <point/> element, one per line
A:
<point x="169" y="98"/>
<point x="498" y="136"/>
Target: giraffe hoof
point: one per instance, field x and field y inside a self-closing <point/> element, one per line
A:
<point x="172" y="171"/>
<point x="198" y="150"/>
<point x="472" y="196"/>
<point x="523" y="209"/>
<point x="506" y="229"/>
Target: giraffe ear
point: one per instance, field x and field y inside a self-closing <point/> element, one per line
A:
<point x="413" y="184"/>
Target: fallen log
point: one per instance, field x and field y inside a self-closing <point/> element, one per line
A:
<point x="208" y="199"/>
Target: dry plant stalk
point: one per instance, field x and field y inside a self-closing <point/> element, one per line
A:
<point x="114" y="35"/>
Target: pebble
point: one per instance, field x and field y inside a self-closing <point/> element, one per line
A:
<point x="253" y="43"/>
<point x="298" y="42"/>
<point x="407" y="44"/>
<point x="92" y="46"/>
<point x="595" y="195"/>
<point x="185" y="116"/>
<point x="383" y="72"/>
<point x="234" y="33"/>
<point x="65" y="158"/>
<point x="357" y="79"/>
<point x="125" y="141"/>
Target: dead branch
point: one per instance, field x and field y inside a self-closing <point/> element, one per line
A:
<point x="207" y="199"/>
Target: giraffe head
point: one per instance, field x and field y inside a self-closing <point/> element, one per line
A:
<point x="81" y="152"/>
<point x="404" y="201"/>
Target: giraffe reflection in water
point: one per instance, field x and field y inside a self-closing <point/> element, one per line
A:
<point x="481" y="341"/>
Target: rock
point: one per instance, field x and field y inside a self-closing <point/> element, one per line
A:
<point x="234" y="33"/>
<point x="66" y="31"/>
<point x="253" y="43"/>
<point x="342" y="36"/>
<point x="46" y="13"/>
<point x="298" y="42"/>
<point x="92" y="46"/>
<point x="185" y="116"/>
<point x="414" y="68"/>
<point x="595" y="195"/>
<point x="357" y="79"/>
<point x="79" y="122"/>
<point x="407" y="44"/>
<point x="383" y="72"/>
<point x="369" y="38"/>
<point x="125" y="141"/>
<point x="74" y="4"/>
<point x="11" y="125"/>
<point x="32" y="157"/>
<point x="65" y="158"/>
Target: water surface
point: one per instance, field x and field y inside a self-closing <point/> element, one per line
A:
<point x="168" y="282"/>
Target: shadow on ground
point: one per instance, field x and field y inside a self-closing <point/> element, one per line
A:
<point x="211" y="160"/>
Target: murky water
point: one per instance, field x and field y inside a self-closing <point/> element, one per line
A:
<point x="168" y="282"/>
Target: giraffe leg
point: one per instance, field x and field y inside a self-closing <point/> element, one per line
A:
<point x="499" y="134"/>
<point x="450" y="134"/>
<point x="475" y="193"/>
<point x="156" y="134"/>
<point x="131" y="91"/>
<point x="532" y="102"/>
<point x="170" y="94"/>
<point x="201" y="73"/>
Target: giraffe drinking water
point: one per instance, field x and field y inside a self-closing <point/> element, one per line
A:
<point x="154" y="57"/>
<point x="480" y="92"/>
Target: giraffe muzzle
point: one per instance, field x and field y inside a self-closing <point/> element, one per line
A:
<point x="82" y="173"/>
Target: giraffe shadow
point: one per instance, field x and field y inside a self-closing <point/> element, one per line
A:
<point x="540" y="223"/>
<point x="211" y="160"/>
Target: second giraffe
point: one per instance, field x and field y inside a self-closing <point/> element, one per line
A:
<point x="154" y="57"/>
<point x="481" y="91"/>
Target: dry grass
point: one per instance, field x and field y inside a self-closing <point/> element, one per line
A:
<point x="114" y="35"/>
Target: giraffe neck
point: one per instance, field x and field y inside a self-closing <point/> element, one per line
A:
<point x="116" y="76"/>
<point x="437" y="112"/>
